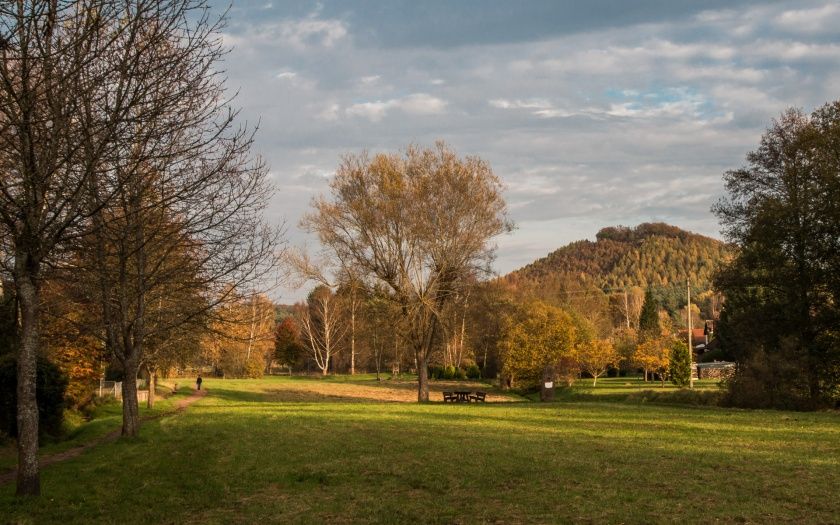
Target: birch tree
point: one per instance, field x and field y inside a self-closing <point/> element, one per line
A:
<point x="322" y="326"/>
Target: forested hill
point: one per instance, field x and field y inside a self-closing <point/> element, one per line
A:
<point x="651" y="254"/>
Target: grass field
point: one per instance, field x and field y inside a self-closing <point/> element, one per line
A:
<point x="290" y="450"/>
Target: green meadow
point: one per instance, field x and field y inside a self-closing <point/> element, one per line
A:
<point x="350" y="450"/>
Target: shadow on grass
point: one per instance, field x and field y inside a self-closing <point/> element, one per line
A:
<point x="546" y="463"/>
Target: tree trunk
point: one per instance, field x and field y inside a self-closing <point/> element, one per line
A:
<point x="131" y="410"/>
<point x="28" y="477"/>
<point x="150" y="401"/>
<point x="422" y="378"/>
<point x="353" y="336"/>
<point x="594" y="380"/>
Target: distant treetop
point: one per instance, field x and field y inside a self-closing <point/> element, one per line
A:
<point x="642" y="232"/>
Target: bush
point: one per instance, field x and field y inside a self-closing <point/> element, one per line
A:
<point x="449" y="372"/>
<point x="679" y="397"/>
<point x="768" y="380"/>
<point x="713" y="355"/>
<point x="51" y="384"/>
<point x="473" y="372"/>
<point x="435" y="372"/>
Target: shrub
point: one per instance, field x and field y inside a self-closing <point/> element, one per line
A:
<point x="679" y="367"/>
<point x="51" y="384"/>
<point x="473" y="372"/>
<point x="769" y="380"/>
<point x="713" y="355"/>
<point x="449" y="372"/>
<point x="679" y="397"/>
<point x="435" y="372"/>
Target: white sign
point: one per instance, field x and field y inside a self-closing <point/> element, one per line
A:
<point x="549" y="384"/>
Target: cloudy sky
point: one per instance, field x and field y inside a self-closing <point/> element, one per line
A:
<point x="593" y="113"/>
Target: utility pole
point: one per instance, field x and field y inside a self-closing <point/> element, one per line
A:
<point x="690" y="348"/>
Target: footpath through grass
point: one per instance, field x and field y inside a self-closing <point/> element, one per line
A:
<point x="288" y="450"/>
<point x="103" y="419"/>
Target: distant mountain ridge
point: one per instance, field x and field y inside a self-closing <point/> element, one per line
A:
<point x="655" y="255"/>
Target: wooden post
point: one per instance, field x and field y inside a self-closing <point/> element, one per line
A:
<point x="547" y="386"/>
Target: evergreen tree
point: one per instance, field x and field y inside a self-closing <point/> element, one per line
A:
<point x="649" y="317"/>
<point x="680" y="365"/>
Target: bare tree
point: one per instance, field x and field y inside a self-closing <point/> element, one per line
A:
<point x="66" y="96"/>
<point x="186" y="217"/>
<point x="322" y="326"/>
<point x="420" y="223"/>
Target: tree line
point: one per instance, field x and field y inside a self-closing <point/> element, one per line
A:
<point x="130" y="199"/>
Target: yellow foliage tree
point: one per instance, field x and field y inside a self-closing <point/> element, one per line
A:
<point x="242" y="339"/>
<point x="537" y="337"/>
<point x="596" y="356"/>
<point x="654" y="355"/>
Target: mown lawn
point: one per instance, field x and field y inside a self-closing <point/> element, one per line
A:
<point x="260" y="451"/>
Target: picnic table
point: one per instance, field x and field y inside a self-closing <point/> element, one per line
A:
<point x="464" y="396"/>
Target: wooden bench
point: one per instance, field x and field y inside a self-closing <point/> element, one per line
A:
<point x="478" y="397"/>
<point x="449" y="397"/>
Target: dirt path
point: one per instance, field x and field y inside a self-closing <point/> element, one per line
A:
<point x="8" y="476"/>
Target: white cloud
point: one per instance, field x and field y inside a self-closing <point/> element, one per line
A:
<point x="538" y="107"/>
<point x="370" y="80"/>
<point x="309" y="32"/>
<point x="821" y="19"/>
<point x="286" y="75"/>
<point x="414" y="104"/>
<point x="786" y="50"/>
<point x="330" y="112"/>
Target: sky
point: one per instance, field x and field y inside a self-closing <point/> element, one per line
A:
<point x="593" y="113"/>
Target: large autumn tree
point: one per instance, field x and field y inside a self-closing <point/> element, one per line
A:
<point x="782" y="290"/>
<point x="537" y="340"/>
<point x="420" y="223"/>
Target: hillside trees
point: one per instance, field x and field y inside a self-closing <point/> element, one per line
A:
<point x="655" y="256"/>
<point x="418" y="223"/>
<point x="782" y="289"/>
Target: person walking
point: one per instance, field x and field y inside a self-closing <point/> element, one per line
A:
<point x="198" y="383"/>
